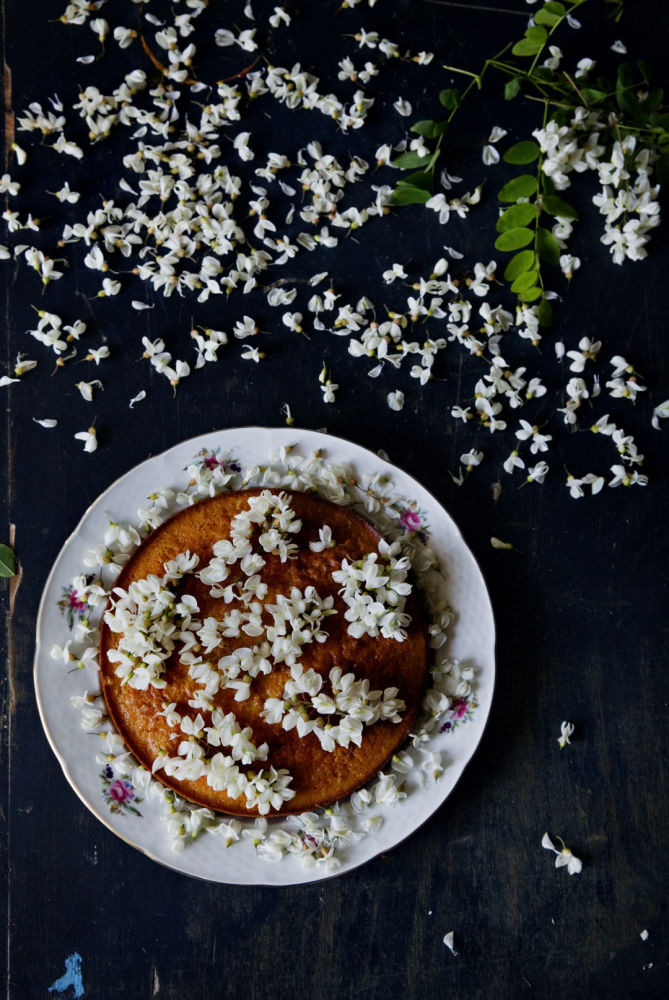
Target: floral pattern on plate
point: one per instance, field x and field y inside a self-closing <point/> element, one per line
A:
<point x="213" y="459"/>
<point x="118" y="793"/>
<point x="413" y="519"/>
<point x="71" y="604"/>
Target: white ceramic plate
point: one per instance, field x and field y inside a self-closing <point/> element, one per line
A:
<point x="471" y="640"/>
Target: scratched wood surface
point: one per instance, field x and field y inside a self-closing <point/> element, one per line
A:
<point x="581" y="608"/>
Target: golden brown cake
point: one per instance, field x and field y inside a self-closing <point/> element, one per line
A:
<point x="319" y="776"/>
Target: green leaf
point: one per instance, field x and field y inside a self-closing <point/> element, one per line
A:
<point x="604" y="84"/>
<point x="538" y="35"/>
<point x="526" y="48"/>
<point x="522" y="152"/>
<point x="519" y="264"/>
<point x="548" y="247"/>
<point x="556" y="206"/>
<point x="7" y="561"/>
<point x="645" y="70"/>
<point x="517" y="215"/>
<point x="628" y="102"/>
<point x="545" y="314"/>
<point x="512" y="88"/>
<point x="514" y="239"/>
<point x="525" y="281"/>
<point x="593" y="96"/>
<point x="440" y="128"/>
<point x="654" y="100"/>
<point x="531" y="294"/>
<point x="625" y="78"/>
<point x="519" y="187"/>
<point x="409" y="161"/>
<point x="451" y="98"/>
<point x="425" y="128"/>
<point x="554" y="7"/>
<point x="406" y="195"/>
<point x="420" y="179"/>
<point x="549" y="187"/>
<point x="545" y="17"/>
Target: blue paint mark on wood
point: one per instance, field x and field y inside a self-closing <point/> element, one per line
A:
<point x="71" y="978"/>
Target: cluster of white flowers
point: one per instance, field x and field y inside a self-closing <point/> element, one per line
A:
<point x="624" y="196"/>
<point x="350" y="699"/>
<point x="147" y="617"/>
<point x="376" y="592"/>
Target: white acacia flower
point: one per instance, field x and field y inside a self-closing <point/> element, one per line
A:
<point x="513" y="462"/>
<point x="564" y="857"/>
<point x="138" y="398"/>
<point x="621" y="366"/>
<point x="86" y="388"/>
<point x="566" y="730"/>
<point x="396" y="400"/>
<point x="471" y="459"/>
<point x="625" y="388"/>
<point x="66" y="194"/>
<point x="569" y="264"/>
<point x="622" y="477"/>
<point x="403" y="107"/>
<point x="619" y="47"/>
<point x="109" y="287"/>
<point x="660" y="412"/>
<point x="100" y="27"/>
<point x="98" y="354"/>
<point x="6" y="380"/>
<point x="396" y="271"/>
<point x="8" y="186"/>
<point x="588" y="351"/>
<point x="325" y="540"/>
<point x="329" y="389"/>
<point x="583" y="67"/>
<point x="278" y="17"/>
<point x="537" y="473"/>
<point x="459" y="414"/>
<point x="46" y="423"/>
<point x="89" y="438"/>
<point x="124" y="36"/>
<point x="449" y="941"/>
<point x="292" y="321"/>
<point x="252" y="354"/>
<point x="241" y="144"/>
<point x="490" y="155"/>
<point x="539" y="441"/>
<point x="497" y="134"/>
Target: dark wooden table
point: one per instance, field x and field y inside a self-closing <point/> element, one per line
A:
<point x="581" y="607"/>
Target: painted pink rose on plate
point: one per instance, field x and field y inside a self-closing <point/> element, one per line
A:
<point x="120" y="791"/>
<point x="410" y="520"/>
<point x="459" y="708"/>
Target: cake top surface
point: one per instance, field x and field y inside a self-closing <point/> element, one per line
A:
<point x="264" y="652"/>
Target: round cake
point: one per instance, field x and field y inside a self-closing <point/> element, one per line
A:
<point x="264" y="651"/>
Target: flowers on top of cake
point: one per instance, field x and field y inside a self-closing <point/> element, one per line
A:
<point x="350" y="699"/>
<point x="148" y="617"/>
<point x="376" y="593"/>
<point x="303" y="615"/>
<point x="276" y="520"/>
<point x="262" y="789"/>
